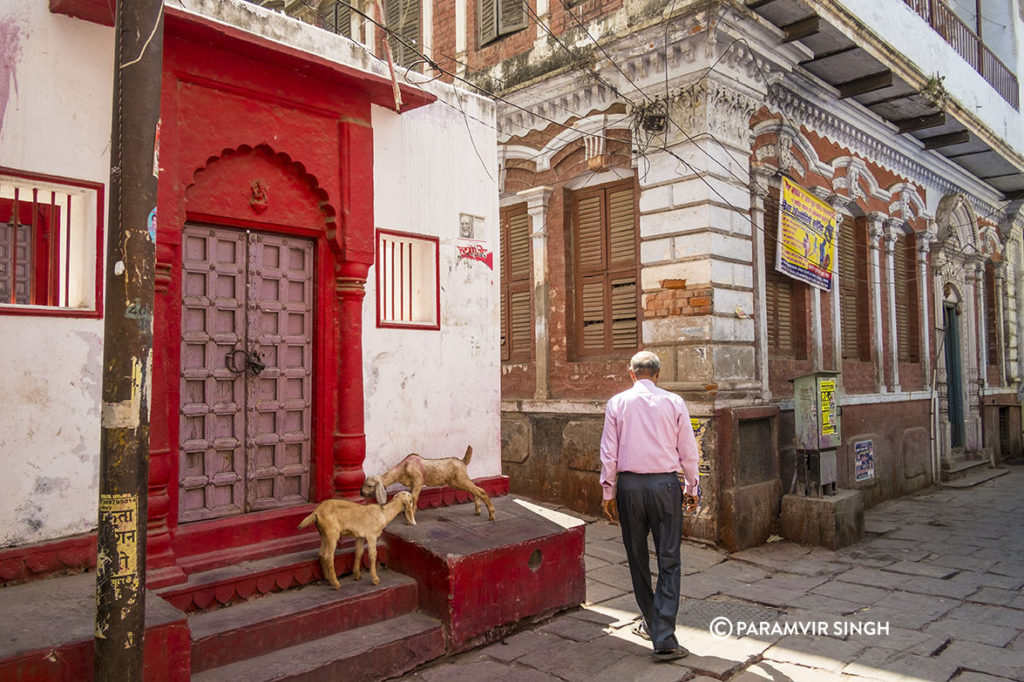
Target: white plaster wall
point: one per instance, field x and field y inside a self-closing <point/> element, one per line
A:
<point x="56" y="106"/>
<point x="905" y="31"/>
<point x="435" y="392"/>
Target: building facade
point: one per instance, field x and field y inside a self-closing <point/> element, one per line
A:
<point x="324" y="239"/>
<point x="643" y="146"/>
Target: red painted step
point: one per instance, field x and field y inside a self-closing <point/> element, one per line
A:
<point x="212" y="589"/>
<point x="372" y="652"/>
<point x="285" y="619"/>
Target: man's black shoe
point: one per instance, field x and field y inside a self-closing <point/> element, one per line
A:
<point x="666" y="655"/>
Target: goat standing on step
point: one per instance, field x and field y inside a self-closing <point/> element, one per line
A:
<point x="364" y="522"/>
<point x="414" y="472"/>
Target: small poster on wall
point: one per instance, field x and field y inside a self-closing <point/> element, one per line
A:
<point x="864" y="459"/>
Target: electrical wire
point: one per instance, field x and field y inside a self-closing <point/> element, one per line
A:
<point x="664" y="148"/>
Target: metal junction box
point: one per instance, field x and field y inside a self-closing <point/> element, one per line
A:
<point x="816" y="417"/>
<point x="816" y="411"/>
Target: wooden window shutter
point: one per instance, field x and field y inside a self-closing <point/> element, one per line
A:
<point x="593" y="309"/>
<point x="991" y="324"/>
<point x="516" y="285"/>
<point x="511" y="16"/>
<point x="403" y="18"/>
<point x="621" y="227"/>
<point x="848" y="290"/>
<point x="607" y="291"/>
<point x="337" y="18"/>
<point x="589" y="229"/>
<point x="487" y="19"/>
<point x="624" y="322"/>
<point x="778" y="287"/>
<point x="905" y="285"/>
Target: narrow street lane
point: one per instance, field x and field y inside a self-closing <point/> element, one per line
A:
<point x="932" y="593"/>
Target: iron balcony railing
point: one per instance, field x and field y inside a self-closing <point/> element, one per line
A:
<point x="969" y="46"/>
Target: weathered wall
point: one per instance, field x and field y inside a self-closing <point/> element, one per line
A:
<point x="54" y="118"/>
<point x="435" y="392"/>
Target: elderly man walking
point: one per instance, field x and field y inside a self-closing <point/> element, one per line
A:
<point x="647" y="438"/>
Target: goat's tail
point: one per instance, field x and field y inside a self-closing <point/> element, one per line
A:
<point x="468" y="456"/>
<point x="308" y="520"/>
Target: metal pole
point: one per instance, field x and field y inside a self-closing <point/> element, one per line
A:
<point x="128" y="342"/>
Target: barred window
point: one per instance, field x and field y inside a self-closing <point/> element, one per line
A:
<point x="408" y="293"/>
<point x="50" y="245"/>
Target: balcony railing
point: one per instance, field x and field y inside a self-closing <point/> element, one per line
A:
<point x="967" y="43"/>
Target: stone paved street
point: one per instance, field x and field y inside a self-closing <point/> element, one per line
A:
<point x="933" y="592"/>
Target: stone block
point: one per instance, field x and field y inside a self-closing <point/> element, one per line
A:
<point x="581" y="444"/>
<point x="515" y="440"/>
<point x="655" y="198"/>
<point x="694" y="363"/>
<point x="666" y="330"/>
<point x="831" y="521"/>
<point x="733" y="329"/>
<point x="657" y="251"/>
<point x="733" y="362"/>
<point x="692" y="271"/>
<point x="747" y="514"/>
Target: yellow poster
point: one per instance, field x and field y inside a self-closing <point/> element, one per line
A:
<point x="828" y="407"/>
<point x="118" y="513"/>
<point x="806" y="250"/>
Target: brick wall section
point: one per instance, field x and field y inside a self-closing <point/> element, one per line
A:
<point x="684" y="302"/>
<point x="444" y="36"/>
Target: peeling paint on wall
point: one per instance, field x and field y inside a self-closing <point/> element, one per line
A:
<point x="10" y="53"/>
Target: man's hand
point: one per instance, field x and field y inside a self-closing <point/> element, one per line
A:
<point x="610" y="512"/>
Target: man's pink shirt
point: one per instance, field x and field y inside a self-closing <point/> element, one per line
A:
<point x="647" y="431"/>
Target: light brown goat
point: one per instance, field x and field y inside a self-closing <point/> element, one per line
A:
<point x="364" y="522"/>
<point x="414" y="472"/>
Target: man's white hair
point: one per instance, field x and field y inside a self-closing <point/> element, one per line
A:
<point x="645" y="362"/>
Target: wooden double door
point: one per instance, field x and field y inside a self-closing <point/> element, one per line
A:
<point x="246" y="372"/>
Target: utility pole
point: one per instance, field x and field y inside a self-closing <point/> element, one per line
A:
<point x="128" y="342"/>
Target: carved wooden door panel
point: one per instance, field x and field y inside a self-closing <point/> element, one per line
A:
<point x="246" y="370"/>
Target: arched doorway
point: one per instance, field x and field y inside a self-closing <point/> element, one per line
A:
<point x="249" y="337"/>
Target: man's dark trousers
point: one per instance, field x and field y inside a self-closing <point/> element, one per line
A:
<point x="653" y="503"/>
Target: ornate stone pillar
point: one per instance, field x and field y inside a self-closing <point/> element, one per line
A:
<point x="760" y="179"/>
<point x="876" y="223"/>
<point x="348" y="448"/>
<point x="1012" y="339"/>
<point x="1000" y="321"/>
<point x="979" y="318"/>
<point x="893" y="230"/>
<point x="924" y="244"/>
<point x="162" y="513"/>
<point x="841" y="205"/>
<point x="537" y="207"/>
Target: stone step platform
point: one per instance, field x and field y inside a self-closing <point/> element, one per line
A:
<point x="285" y="619"/>
<point x="482" y="577"/>
<point x="48" y="626"/>
<point x="218" y="587"/>
<point x="372" y="652"/>
<point x="974" y="476"/>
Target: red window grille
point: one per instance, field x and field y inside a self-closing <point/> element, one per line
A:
<point x="50" y="245"/>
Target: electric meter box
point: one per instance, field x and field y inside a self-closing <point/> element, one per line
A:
<point x="816" y="411"/>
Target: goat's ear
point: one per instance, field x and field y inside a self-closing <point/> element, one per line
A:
<point x="381" y="492"/>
